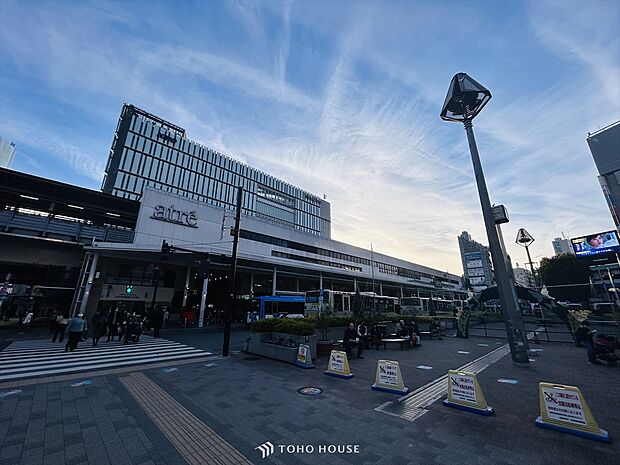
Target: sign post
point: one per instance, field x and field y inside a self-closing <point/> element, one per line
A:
<point x="338" y="365"/>
<point x="304" y="357"/>
<point x="464" y="393"/>
<point x="564" y="408"/>
<point x="389" y="378"/>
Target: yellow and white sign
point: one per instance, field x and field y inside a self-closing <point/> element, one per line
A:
<point x="389" y="378"/>
<point x="464" y="393"/>
<point x="304" y="357"/>
<point x="338" y="365"/>
<point x="564" y="408"/>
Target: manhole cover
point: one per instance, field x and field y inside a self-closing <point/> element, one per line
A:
<point x="251" y="359"/>
<point x="310" y="391"/>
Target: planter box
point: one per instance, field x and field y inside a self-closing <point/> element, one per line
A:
<point x="286" y="354"/>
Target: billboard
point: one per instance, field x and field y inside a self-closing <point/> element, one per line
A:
<point x="604" y="242"/>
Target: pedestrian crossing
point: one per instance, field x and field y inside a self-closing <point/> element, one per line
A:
<point x="35" y="358"/>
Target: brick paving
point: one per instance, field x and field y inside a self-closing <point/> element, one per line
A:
<point x="246" y="403"/>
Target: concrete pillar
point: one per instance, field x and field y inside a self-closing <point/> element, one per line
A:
<point x="89" y="283"/>
<point x="320" y="280"/>
<point x="275" y="280"/>
<point x="252" y="283"/>
<point x="354" y="284"/>
<point x="401" y="292"/>
<point x="203" y="301"/>
<point x="297" y="284"/>
<point x="380" y="289"/>
<point x="188" y="275"/>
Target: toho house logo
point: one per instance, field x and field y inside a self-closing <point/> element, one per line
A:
<point x="266" y="449"/>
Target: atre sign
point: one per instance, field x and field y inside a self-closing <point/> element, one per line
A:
<point x="172" y="215"/>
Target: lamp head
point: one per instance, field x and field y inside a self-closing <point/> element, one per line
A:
<point x="465" y="98"/>
<point x="524" y="238"/>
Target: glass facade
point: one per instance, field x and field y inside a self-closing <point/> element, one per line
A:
<point x="148" y="151"/>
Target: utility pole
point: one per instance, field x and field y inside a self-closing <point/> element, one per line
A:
<point x="227" y="315"/>
<point x="165" y="251"/>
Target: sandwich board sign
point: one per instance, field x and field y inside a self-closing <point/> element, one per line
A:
<point x="564" y="408"/>
<point x="304" y="357"/>
<point x="389" y="378"/>
<point x="338" y="365"/>
<point x="464" y="393"/>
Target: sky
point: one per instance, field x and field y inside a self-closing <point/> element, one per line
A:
<point x="339" y="98"/>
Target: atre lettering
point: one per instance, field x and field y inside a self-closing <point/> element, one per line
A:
<point x="172" y="215"/>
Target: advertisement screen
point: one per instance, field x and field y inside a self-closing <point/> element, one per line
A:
<point x="594" y="244"/>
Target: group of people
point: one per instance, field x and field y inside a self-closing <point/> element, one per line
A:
<point x="112" y="323"/>
<point x="359" y="336"/>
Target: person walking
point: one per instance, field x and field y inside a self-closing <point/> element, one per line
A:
<point x="59" y="330"/>
<point x="27" y="321"/>
<point x="99" y="324"/>
<point x="113" y="321"/>
<point x="75" y="329"/>
<point x="158" y="321"/>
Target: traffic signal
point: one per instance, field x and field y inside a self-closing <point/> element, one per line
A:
<point x="166" y="248"/>
<point x="128" y="289"/>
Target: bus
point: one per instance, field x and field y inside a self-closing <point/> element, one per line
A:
<point x="426" y="306"/>
<point x="343" y="303"/>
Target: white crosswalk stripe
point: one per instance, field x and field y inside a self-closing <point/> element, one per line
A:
<point x="34" y="358"/>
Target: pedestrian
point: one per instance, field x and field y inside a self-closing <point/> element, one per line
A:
<point x="584" y="336"/>
<point x="158" y="321"/>
<point x="99" y="324"/>
<point x="362" y="334"/>
<point x="166" y="316"/>
<point x="349" y="340"/>
<point x="75" y="329"/>
<point x="113" y="320"/>
<point x="59" y="330"/>
<point x="27" y="321"/>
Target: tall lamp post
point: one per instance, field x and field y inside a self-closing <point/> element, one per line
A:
<point x="524" y="239"/>
<point x="465" y="99"/>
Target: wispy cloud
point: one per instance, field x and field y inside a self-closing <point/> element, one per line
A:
<point x="341" y="99"/>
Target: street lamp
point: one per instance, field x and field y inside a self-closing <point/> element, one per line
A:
<point x="465" y="99"/>
<point x="524" y="239"/>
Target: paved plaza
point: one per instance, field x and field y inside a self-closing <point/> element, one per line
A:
<point x="210" y="410"/>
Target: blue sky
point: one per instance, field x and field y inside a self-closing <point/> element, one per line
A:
<point x="339" y="98"/>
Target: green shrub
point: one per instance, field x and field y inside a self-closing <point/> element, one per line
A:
<point x="296" y="326"/>
<point x="263" y="326"/>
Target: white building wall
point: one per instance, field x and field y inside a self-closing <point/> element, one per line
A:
<point x="206" y="237"/>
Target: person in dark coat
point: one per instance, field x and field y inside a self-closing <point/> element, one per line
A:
<point x="113" y="322"/>
<point x="350" y="339"/>
<point x="585" y="337"/>
<point x="158" y="321"/>
<point x="99" y="324"/>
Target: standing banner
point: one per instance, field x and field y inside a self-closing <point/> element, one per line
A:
<point x="304" y="357"/>
<point x="389" y="378"/>
<point x="464" y="393"/>
<point x="564" y="408"/>
<point x="338" y="365"/>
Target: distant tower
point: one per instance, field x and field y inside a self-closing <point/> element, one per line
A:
<point x="561" y="246"/>
<point x="476" y="259"/>
<point x="7" y="153"/>
<point x="605" y="148"/>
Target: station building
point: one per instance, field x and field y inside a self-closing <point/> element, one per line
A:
<point x="104" y="249"/>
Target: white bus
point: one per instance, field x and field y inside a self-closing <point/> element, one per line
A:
<point x="342" y="302"/>
<point x="427" y="306"/>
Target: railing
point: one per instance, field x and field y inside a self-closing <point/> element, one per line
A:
<point x="543" y="329"/>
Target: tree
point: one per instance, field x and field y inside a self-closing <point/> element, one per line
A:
<point x="564" y="270"/>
